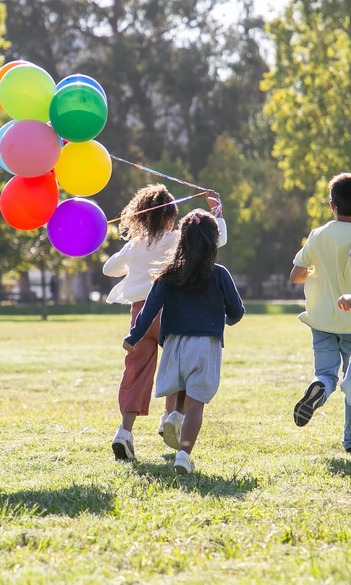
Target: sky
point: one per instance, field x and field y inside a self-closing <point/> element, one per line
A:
<point x="269" y="8"/>
<point x="228" y="12"/>
<point x="265" y="8"/>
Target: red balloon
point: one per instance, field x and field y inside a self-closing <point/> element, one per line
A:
<point x="27" y="203"/>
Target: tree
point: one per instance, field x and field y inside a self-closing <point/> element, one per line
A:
<point x="309" y="91"/>
<point x="264" y="221"/>
<point x="3" y="43"/>
<point x="161" y="63"/>
<point x="238" y="100"/>
<point x="182" y="89"/>
<point x="225" y="170"/>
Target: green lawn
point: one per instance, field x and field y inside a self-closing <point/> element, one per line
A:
<point x="269" y="503"/>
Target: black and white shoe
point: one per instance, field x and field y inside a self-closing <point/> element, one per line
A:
<point x="122" y="445"/>
<point x="312" y="399"/>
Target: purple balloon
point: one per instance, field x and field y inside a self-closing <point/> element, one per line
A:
<point x="78" y="227"/>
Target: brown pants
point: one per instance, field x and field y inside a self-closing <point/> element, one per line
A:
<point x="140" y="365"/>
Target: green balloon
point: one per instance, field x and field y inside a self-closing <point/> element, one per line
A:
<point x="78" y="112"/>
<point x="26" y="92"/>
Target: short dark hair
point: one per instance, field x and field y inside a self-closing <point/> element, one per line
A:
<point x="340" y="193"/>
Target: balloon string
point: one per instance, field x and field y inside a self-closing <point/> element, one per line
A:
<point x="158" y="174"/>
<point x="204" y="190"/>
<point x="158" y="206"/>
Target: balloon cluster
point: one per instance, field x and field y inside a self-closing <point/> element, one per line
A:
<point x="49" y="143"/>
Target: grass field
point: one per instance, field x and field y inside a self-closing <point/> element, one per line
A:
<point x="269" y="503"/>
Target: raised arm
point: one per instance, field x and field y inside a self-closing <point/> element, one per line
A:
<point x="215" y="204"/>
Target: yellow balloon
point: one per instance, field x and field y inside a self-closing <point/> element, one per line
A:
<point x="84" y="168"/>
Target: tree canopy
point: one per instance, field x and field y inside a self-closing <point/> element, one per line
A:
<point x="309" y="102"/>
<point x="184" y="98"/>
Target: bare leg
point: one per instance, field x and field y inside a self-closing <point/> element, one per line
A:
<point x="193" y="410"/>
<point x="179" y="401"/>
<point x="128" y="420"/>
<point x="122" y="444"/>
<point x="170" y="402"/>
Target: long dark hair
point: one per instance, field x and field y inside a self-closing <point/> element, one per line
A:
<point x="193" y="260"/>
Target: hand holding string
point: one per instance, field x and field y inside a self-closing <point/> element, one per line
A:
<point x="214" y="201"/>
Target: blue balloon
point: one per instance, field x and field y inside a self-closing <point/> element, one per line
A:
<point x="4" y="129"/>
<point x="80" y="78"/>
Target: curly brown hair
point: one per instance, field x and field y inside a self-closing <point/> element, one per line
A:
<point x="137" y="223"/>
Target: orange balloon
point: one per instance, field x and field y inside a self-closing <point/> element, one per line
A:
<point x="5" y="68"/>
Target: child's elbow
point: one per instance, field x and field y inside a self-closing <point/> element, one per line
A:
<point x="292" y="276"/>
<point x="109" y="269"/>
<point x="298" y="275"/>
<point x="233" y="320"/>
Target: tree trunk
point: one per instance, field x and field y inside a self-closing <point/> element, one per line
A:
<point x="83" y="285"/>
<point x="67" y="288"/>
<point x="24" y="287"/>
<point x="44" y="304"/>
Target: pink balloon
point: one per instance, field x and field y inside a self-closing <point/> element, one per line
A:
<point x="30" y="148"/>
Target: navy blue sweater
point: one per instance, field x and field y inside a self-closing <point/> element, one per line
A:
<point x="198" y="314"/>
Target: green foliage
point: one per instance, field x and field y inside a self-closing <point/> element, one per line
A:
<point x="161" y="65"/>
<point x="3" y="43"/>
<point x="179" y="84"/>
<point x="225" y="172"/>
<point x="174" y="168"/>
<point x="238" y="101"/>
<point x="3" y="46"/>
<point x="268" y="503"/>
<point x="309" y="96"/>
<point x="261" y="216"/>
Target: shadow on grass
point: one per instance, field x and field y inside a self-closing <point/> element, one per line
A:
<point x="340" y="466"/>
<point x="235" y="486"/>
<point x="70" y="501"/>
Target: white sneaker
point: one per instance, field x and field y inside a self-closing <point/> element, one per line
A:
<point x="182" y="464"/>
<point x="172" y="428"/>
<point x="122" y="444"/>
<point x="162" y="422"/>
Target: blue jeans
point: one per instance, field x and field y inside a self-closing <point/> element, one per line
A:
<point x="332" y="350"/>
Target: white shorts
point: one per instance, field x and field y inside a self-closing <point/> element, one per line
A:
<point x="192" y="364"/>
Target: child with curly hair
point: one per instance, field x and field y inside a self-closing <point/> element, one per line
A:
<point x="197" y="298"/>
<point x="147" y="222"/>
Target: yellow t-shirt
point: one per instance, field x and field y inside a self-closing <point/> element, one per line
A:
<point x="327" y="253"/>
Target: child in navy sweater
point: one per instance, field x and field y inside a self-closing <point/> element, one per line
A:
<point x="197" y="298"/>
<point x="147" y="222"/>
